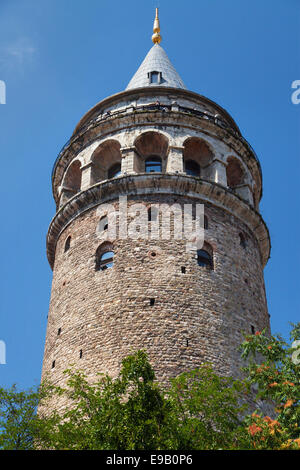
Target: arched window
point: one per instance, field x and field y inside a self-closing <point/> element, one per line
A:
<point x="153" y="164"/>
<point x="204" y="259"/>
<point x="67" y="244"/>
<point x="192" y="168"/>
<point x="105" y="261"/>
<point x="197" y="155"/>
<point x="114" y="170"/>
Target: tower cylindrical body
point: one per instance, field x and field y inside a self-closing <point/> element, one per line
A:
<point x="142" y="289"/>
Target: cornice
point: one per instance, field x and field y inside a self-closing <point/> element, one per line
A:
<point x="180" y="185"/>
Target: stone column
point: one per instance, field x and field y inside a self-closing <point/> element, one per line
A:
<point x="86" y="176"/>
<point x="175" y="160"/>
<point x="130" y="163"/>
<point x="218" y="172"/>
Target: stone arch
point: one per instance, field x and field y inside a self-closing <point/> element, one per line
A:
<point x="152" y="144"/>
<point x="106" y="161"/>
<point x="103" y="262"/>
<point x="205" y="256"/>
<point x="72" y="180"/>
<point x="235" y="173"/>
<point x="197" y="156"/>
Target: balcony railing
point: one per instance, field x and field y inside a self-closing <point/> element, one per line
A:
<point x="216" y="119"/>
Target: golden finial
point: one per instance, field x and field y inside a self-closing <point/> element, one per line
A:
<point x="156" y="38"/>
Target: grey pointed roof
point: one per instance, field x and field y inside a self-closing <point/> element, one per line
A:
<point x="156" y="61"/>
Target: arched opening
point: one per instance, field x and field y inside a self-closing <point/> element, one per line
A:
<point x="234" y="172"/>
<point x="72" y="179"/>
<point x="197" y="156"/>
<point x="103" y="224"/>
<point x="106" y="161"/>
<point x="152" y="148"/>
<point x="205" y="257"/>
<point x="68" y="244"/>
<point x="104" y="257"/>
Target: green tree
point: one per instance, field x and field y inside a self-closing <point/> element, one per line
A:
<point x="206" y="411"/>
<point x="196" y="410"/>
<point x="277" y="377"/>
<point x="17" y="418"/>
<point x="199" y="410"/>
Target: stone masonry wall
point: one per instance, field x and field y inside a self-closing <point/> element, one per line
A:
<point x="107" y="314"/>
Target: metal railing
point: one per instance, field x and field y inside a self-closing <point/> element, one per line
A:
<point x="216" y="119"/>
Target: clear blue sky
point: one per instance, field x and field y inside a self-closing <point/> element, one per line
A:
<point x="60" y="57"/>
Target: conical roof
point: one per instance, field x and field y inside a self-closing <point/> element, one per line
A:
<point x="156" y="70"/>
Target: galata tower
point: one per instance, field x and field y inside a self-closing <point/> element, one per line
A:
<point x="124" y="277"/>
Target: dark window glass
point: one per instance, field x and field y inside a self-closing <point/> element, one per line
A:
<point x="192" y="168"/>
<point x="204" y="258"/>
<point x="114" y="171"/>
<point x="153" y="165"/>
<point x="106" y="260"/>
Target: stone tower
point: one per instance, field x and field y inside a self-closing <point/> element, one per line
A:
<point x="159" y="147"/>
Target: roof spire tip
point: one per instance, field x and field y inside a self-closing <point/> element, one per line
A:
<point x="156" y="38"/>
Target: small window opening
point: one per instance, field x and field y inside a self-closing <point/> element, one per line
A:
<point x="252" y="329"/>
<point x="68" y="244"/>
<point x="152" y="302"/>
<point x="80" y="354"/>
<point x="183" y="269"/>
<point x="58" y="331"/>
<point x="243" y="242"/>
<point x="187" y="343"/>
<point x="154" y="77"/>
<point x="103" y="224"/>
<point x="204" y="259"/>
<point x="205" y="222"/>
<point x="53" y="364"/>
<point x="106" y="260"/>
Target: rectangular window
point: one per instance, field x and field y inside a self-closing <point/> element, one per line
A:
<point x="154" y="77"/>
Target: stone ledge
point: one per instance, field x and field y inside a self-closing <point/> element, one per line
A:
<point x="133" y="185"/>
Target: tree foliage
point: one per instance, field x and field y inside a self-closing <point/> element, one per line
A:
<point x="196" y="410"/>
<point x="277" y="378"/>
